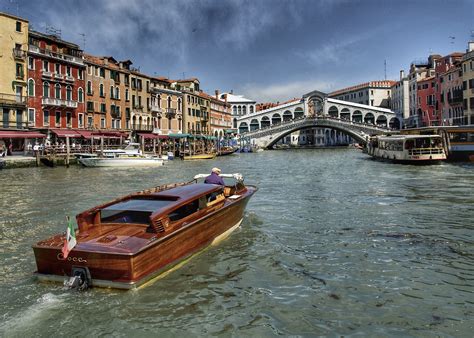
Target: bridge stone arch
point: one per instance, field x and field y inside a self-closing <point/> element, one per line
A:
<point x="298" y="113"/>
<point x="276" y="118"/>
<point x="243" y="127"/>
<point x="357" y="116"/>
<point x="369" y="118"/>
<point x="345" y="114"/>
<point x="359" y="137"/>
<point x="333" y="111"/>
<point x="287" y="115"/>
<point x="394" y="123"/>
<point x="381" y="120"/>
<point x="265" y="122"/>
<point x="254" y="125"/>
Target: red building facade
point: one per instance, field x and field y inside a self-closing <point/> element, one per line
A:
<point x="426" y="105"/>
<point x="56" y="86"/>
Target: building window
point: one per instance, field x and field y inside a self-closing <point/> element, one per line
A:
<point x="103" y="108"/>
<point x="18" y="26"/>
<point x="169" y="102"/>
<point x="102" y="72"/>
<point x="89" y="121"/>
<point x="57" y="91"/>
<point x="80" y="119"/>
<point x="68" y="70"/>
<point x="31" y="116"/>
<point x="127" y="97"/>
<point x="31" y="87"/>
<point x="89" y="88"/>
<point x="68" y="119"/>
<point x="101" y="90"/>
<point x="58" y="119"/>
<point x="179" y="104"/>
<point x="45" y="66"/>
<point x="80" y="95"/>
<point x="111" y="92"/>
<point x="68" y="93"/>
<point x="102" y="122"/>
<point x="58" y="68"/>
<point x="46" y="89"/>
<point x="45" y="118"/>
<point x="117" y="92"/>
<point x="80" y="74"/>
<point x="31" y="63"/>
<point x="19" y="71"/>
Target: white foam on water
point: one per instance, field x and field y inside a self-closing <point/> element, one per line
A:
<point x="34" y="314"/>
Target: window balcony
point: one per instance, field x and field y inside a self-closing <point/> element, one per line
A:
<point x="155" y="109"/>
<point x="47" y="75"/>
<point x="47" y="101"/>
<point x="57" y="76"/>
<point x="12" y="100"/>
<point x="57" y="56"/>
<point x="8" y="124"/>
<point x="69" y="78"/>
<point x="142" y="127"/>
<point x="19" y="54"/>
<point x="170" y="113"/>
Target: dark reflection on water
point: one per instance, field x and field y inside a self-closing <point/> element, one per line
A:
<point x="332" y="244"/>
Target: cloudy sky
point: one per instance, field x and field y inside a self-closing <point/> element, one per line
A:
<point x="268" y="50"/>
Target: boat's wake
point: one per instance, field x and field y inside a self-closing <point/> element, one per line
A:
<point x="41" y="310"/>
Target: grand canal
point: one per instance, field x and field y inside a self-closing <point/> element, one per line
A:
<point x="333" y="243"/>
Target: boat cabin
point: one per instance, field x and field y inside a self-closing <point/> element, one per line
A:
<point x="159" y="211"/>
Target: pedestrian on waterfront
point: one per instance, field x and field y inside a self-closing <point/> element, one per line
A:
<point x="214" y="177"/>
<point x="10" y="149"/>
<point x="3" y="150"/>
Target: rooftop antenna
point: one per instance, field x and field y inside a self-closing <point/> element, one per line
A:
<point x="83" y="40"/>
<point x="452" y="38"/>
<point x="385" y="68"/>
<point x="472" y="34"/>
<point x="53" y="31"/>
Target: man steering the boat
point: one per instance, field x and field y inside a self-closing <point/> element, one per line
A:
<point x="214" y="177"/>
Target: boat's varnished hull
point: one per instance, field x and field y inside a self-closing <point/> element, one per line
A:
<point x="127" y="271"/>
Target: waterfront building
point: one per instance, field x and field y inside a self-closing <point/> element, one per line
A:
<point x="13" y="82"/>
<point x="107" y="98"/>
<point x="449" y="91"/>
<point x="56" y="73"/>
<point x="140" y="101"/>
<point x="468" y="84"/>
<point x="400" y="99"/>
<point x="220" y="116"/>
<point x="166" y="107"/>
<point x="239" y="105"/>
<point x="196" y="107"/>
<point x="419" y="70"/>
<point x="426" y="100"/>
<point x="372" y="93"/>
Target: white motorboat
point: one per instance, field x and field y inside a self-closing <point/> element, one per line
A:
<point x="121" y="161"/>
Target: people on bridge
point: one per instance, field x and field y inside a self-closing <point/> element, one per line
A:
<point x="214" y="177"/>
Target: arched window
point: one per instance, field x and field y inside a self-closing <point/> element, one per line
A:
<point x="251" y="110"/>
<point x="31" y="87"/>
<point x="57" y="91"/>
<point x="80" y="95"/>
<point x="89" y="87"/>
<point x="112" y="91"/>
<point x="159" y="100"/>
<point x="179" y="104"/>
<point x="169" y="101"/>
<point x="244" y="110"/>
<point x="234" y="110"/>
<point x="45" y="89"/>
<point x="117" y="92"/>
<point x="68" y="93"/>
<point x="101" y="90"/>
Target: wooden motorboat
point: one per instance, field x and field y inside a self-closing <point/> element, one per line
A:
<point x="133" y="239"/>
<point x="204" y="156"/>
<point x="226" y="151"/>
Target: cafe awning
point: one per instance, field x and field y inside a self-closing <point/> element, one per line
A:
<point x="20" y="134"/>
<point x="66" y="133"/>
<point x="179" y="135"/>
<point x="153" y="136"/>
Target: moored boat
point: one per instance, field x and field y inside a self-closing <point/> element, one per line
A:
<point x="133" y="239"/>
<point x="121" y="161"/>
<point x="407" y="148"/>
<point x="223" y="151"/>
<point x="204" y="156"/>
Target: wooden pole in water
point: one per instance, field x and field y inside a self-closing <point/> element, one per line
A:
<point x="102" y="145"/>
<point x="160" y="150"/>
<point x="154" y="146"/>
<point x="142" y="143"/>
<point x="68" y="150"/>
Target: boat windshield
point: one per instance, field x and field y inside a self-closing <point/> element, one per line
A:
<point x="132" y="211"/>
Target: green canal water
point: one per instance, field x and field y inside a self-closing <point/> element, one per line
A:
<point x="333" y="243"/>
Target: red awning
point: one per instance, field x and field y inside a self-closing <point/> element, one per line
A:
<point x="66" y="133"/>
<point x="153" y="136"/>
<point x="85" y="133"/>
<point x="20" y="134"/>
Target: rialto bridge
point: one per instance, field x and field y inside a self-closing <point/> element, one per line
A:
<point x="316" y="110"/>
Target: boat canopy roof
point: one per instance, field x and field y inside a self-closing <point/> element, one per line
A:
<point x="407" y="137"/>
<point x="189" y="191"/>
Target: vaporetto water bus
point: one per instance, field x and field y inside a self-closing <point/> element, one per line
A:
<point x="407" y="148"/>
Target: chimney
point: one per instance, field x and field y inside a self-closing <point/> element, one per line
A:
<point x="217" y="93"/>
<point x="402" y="74"/>
<point x="470" y="46"/>
<point x="232" y="91"/>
